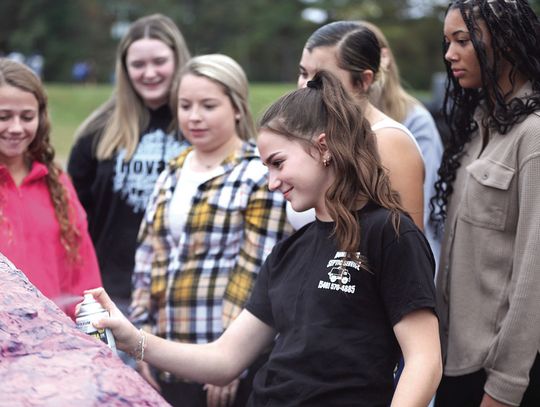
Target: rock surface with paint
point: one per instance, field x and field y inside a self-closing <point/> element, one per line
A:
<point x="46" y="361"/>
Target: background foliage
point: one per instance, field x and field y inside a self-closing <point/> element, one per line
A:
<point x="265" y="36"/>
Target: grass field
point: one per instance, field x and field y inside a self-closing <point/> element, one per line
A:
<point x="70" y="104"/>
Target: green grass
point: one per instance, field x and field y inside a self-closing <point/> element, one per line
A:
<point x="70" y="104"/>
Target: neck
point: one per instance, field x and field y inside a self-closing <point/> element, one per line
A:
<point x="205" y="160"/>
<point x="371" y="113"/>
<point x="18" y="169"/>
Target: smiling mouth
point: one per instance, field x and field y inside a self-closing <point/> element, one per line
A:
<point x="12" y="139"/>
<point x="286" y="193"/>
<point x="152" y="84"/>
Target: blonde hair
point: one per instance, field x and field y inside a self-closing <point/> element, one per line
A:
<point x="386" y="93"/>
<point x="226" y="72"/>
<point x="124" y="115"/>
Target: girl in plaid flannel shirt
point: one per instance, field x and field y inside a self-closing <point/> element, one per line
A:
<point x="209" y="225"/>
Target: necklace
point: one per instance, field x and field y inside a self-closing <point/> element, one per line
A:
<point x="222" y="154"/>
<point x="207" y="166"/>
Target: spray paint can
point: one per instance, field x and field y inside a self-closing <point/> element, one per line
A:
<point x="89" y="311"/>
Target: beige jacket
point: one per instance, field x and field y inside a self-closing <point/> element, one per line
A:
<point x="488" y="285"/>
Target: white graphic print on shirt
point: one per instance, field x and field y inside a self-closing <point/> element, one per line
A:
<point x="340" y="277"/>
<point x="135" y="178"/>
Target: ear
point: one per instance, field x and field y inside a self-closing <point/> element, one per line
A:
<point x="386" y="59"/>
<point x="367" y="79"/>
<point x="237" y="114"/>
<point x="320" y="142"/>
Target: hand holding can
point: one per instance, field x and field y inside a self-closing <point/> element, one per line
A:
<point x="90" y="311"/>
<point x="126" y="336"/>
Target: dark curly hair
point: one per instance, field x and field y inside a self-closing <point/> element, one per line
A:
<point x="19" y="76"/>
<point x="514" y="29"/>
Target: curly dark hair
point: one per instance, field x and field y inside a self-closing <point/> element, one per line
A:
<point x="19" y="76"/>
<point x="514" y="29"/>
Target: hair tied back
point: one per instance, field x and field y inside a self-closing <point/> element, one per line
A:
<point x="315" y="83"/>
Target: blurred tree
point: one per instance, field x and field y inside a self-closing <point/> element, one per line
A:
<point x="413" y="29"/>
<point x="62" y="31"/>
<point x="265" y="36"/>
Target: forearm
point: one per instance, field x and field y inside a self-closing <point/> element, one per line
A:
<point x="418" y="382"/>
<point x="202" y="363"/>
<point x="418" y="337"/>
<point x="218" y="362"/>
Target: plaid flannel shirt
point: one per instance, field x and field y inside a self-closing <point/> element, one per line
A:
<point x="190" y="289"/>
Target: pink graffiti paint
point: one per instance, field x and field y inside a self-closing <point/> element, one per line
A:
<point x="46" y="361"/>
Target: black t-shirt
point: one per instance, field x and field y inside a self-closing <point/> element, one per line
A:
<point x="336" y="345"/>
<point x="115" y="193"/>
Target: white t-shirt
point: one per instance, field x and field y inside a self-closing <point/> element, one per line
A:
<point x="183" y="194"/>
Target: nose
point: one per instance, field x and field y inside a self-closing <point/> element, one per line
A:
<point x="149" y="71"/>
<point x="302" y="81"/>
<point x="450" y="54"/>
<point x="273" y="181"/>
<point x="194" y="114"/>
<point x="15" y="125"/>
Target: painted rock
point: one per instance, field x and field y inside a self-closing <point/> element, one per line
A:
<point x="46" y="361"/>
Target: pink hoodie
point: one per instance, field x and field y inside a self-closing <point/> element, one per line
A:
<point x="30" y="238"/>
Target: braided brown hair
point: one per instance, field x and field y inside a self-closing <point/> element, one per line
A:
<point x="19" y="76"/>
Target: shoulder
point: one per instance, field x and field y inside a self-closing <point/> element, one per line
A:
<point x="382" y="243"/>
<point x="421" y="123"/>
<point x="87" y="139"/>
<point x="307" y="233"/>
<point x="65" y="180"/>
<point x="178" y="161"/>
<point x="393" y="135"/>
<point x="250" y="164"/>
<point x="73" y="198"/>
<point x="529" y="127"/>
<point x="378" y="221"/>
<point x="525" y="136"/>
<point x="418" y="115"/>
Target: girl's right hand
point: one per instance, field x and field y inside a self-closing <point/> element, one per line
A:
<point x="125" y="334"/>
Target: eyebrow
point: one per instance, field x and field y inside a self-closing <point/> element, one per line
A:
<point x="202" y="100"/>
<point x="460" y="32"/>
<point x="270" y="157"/>
<point x="23" y="110"/>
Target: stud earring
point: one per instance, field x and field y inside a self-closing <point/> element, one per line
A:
<point x="326" y="162"/>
